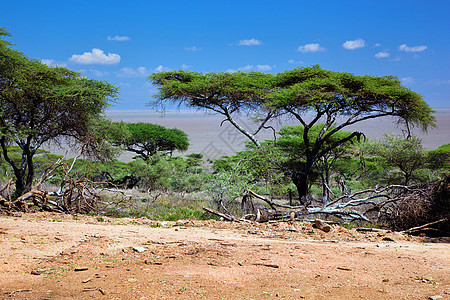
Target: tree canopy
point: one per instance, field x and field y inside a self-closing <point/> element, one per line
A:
<point x="407" y="155"/>
<point x="39" y="104"/>
<point x="309" y="95"/>
<point x="147" y="139"/>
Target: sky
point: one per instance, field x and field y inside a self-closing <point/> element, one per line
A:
<point x="122" y="42"/>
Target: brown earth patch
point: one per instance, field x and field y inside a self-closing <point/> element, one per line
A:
<point x="84" y="257"/>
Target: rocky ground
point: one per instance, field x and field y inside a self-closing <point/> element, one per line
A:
<point x="56" y="256"/>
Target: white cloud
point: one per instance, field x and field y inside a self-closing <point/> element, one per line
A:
<point x="193" y="49"/>
<point x="131" y="72"/>
<point x="406" y="48"/>
<point x="407" y="80"/>
<point x="52" y="63"/>
<point x="184" y="66"/>
<point x="310" y="48"/>
<point x="382" y="54"/>
<point x="119" y="38"/>
<point x="355" y="44"/>
<point x="249" y="68"/>
<point x="377" y="45"/>
<point x="95" y="57"/>
<point x="251" y="42"/>
<point x="161" y="68"/>
<point x="263" y="67"/>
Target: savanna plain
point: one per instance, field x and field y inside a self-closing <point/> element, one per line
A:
<point x="57" y="256"/>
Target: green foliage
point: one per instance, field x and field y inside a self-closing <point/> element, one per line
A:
<point x="407" y="155"/>
<point x="148" y="139"/>
<point x="104" y="139"/>
<point x="168" y="174"/>
<point x="313" y="87"/>
<point x="327" y="94"/>
<point x="42" y="160"/>
<point x="439" y="158"/>
<point x="255" y="168"/>
<point x="100" y="171"/>
<point x="39" y="103"/>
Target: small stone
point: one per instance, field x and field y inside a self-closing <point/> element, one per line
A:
<point x="164" y="224"/>
<point x="435" y="297"/>
<point x="292" y="228"/>
<point x="322" y="225"/>
<point x="35" y="272"/>
<point x="427" y="279"/>
<point x="139" y="249"/>
<point x="132" y="280"/>
<point x="382" y="245"/>
<point x="181" y="223"/>
<point x="78" y="269"/>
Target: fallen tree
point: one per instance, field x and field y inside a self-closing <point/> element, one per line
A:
<point x="74" y="194"/>
<point x="412" y="209"/>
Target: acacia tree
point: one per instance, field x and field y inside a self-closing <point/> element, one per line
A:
<point x="292" y="143"/>
<point x="407" y="154"/>
<point x="309" y="95"/>
<point x="147" y="139"/>
<point x="39" y="104"/>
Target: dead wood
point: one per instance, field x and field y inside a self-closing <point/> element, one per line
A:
<point x="424" y="226"/>
<point x="339" y="210"/>
<point x="364" y="229"/>
<point x="266" y="265"/>
<point x="227" y="217"/>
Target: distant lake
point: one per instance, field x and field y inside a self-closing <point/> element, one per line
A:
<point x="207" y="136"/>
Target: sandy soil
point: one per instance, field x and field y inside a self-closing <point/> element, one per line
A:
<point x="54" y="256"/>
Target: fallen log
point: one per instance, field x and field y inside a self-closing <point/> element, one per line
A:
<point x="424" y="226"/>
<point x="225" y="216"/>
<point x="339" y="210"/>
<point x="364" y="229"/>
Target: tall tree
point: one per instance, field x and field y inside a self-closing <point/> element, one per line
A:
<point x="309" y="95"/>
<point x="39" y="104"/>
<point x="292" y="143"/>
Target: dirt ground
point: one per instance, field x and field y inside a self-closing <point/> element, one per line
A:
<point x="55" y="256"/>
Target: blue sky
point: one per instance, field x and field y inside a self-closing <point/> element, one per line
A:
<point x="124" y="41"/>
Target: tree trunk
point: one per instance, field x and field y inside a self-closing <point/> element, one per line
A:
<point x="30" y="174"/>
<point x="301" y="182"/>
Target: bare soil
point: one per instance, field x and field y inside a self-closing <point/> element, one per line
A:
<point x="55" y="256"/>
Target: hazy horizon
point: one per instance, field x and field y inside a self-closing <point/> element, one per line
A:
<point x="208" y="137"/>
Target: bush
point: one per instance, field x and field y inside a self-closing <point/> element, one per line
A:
<point x="421" y="205"/>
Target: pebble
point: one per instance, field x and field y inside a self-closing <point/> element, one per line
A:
<point x="139" y="249"/>
<point x="435" y="297"/>
<point x="292" y="228"/>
